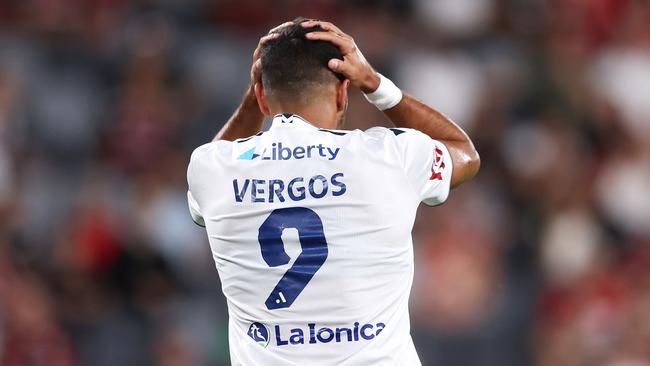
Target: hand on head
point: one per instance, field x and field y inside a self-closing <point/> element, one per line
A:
<point x="256" y="70"/>
<point x="353" y="67"/>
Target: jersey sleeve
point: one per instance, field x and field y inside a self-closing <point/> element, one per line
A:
<point x="195" y="211"/>
<point x="427" y="163"/>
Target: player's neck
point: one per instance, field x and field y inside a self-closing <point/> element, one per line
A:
<point x="316" y="115"/>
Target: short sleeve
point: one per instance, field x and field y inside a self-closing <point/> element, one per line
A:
<point x="195" y="211"/>
<point x="427" y="163"/>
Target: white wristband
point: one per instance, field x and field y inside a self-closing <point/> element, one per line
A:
<point x="387" y="94"/>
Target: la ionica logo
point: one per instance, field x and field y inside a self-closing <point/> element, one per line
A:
<point x="313" y="334"/>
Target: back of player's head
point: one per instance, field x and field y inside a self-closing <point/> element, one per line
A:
<point x="295" y="68"/>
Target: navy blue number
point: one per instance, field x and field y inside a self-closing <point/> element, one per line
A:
<point x="312" y="257"/>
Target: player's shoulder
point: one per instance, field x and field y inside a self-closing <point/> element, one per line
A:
<point x="332" y="132"/>
<point x="394" y="134"/>
<point x="207" y="149"/>
<point x="400" y="141"/>
<point x="219" y="148"/>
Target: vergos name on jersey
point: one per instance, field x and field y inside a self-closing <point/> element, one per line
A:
<point x="296" y="189"/>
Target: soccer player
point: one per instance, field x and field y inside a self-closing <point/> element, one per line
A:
<point x="310" y="225"/>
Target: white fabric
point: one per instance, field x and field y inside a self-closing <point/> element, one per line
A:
<point x="194" y="209"/>
<point x="375" y="181"/>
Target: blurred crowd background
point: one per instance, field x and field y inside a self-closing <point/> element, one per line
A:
<point x="543" y="259"/>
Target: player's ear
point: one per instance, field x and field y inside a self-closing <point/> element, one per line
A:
<point x="342" y="95"/>
<point x="261" y="99"/>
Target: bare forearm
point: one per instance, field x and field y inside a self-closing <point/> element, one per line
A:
<point x="246" y="121"/>
<point x="411" y="113"/>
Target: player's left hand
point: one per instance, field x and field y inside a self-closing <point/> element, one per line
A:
<point x="256" y="69"/>
<point x="354" y="65"/>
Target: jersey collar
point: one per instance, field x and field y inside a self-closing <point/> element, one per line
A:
<point x="288" y="119"/>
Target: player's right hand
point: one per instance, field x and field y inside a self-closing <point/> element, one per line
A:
<point x="354" y="65"/>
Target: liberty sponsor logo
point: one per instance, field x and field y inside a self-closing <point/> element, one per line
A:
<point x="259" y="333"/>
<point x="278" y="151"/>
<point x="315" y="334"/>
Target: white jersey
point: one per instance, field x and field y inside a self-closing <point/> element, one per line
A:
<point x="310" y="230"/>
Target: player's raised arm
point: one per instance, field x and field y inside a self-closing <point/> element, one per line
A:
<point x="403" y="110"/>
<point x="412" y="113"/>
<point x="247" y="119"/>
